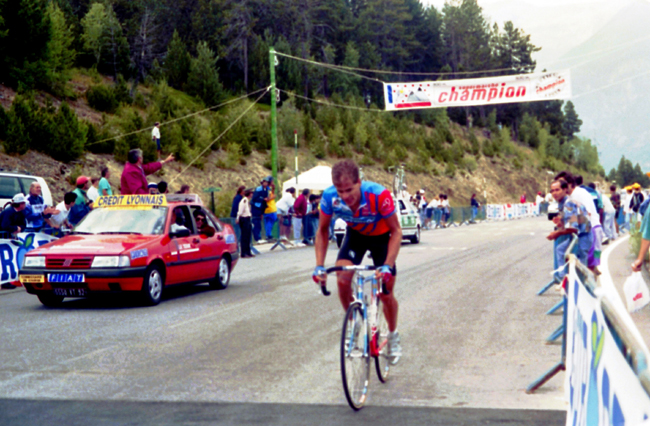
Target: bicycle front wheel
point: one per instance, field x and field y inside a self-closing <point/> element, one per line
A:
<point x="355" y="359"/>
<point x="382" y="362"/>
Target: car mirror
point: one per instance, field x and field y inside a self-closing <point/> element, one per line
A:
<point x="181" y="233"/>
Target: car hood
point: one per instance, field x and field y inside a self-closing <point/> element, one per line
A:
<point x="108" y="244"/>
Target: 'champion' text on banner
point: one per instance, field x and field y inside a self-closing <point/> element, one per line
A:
<point x="478" y="91"/>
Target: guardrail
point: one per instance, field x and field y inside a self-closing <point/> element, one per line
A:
<point x="607" y="380"/>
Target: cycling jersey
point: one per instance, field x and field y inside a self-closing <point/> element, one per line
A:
<point x="375" y="206"/>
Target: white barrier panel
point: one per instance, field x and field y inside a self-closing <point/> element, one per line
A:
<point x="12" y="253"/>
<point x="510" y="211"/>
<point x="601" y="387"/>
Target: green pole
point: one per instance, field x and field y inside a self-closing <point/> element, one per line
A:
<point x="274" y="123"/>
<point x="295" y="144"/>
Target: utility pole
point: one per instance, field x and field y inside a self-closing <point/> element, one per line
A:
<point x="295" y="144"/>
<point x="274" y="122"/>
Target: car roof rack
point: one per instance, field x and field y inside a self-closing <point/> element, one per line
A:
<point x="183" y="198"/>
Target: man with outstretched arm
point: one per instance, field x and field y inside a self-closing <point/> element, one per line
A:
<point x="369" y="211"/>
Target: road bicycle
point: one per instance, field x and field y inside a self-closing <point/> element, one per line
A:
<point x="364" y="334"/>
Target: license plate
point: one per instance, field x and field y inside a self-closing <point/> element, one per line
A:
<point x="65" y="278"/>
<point x="70" y="292"/>
<point x="29" y="279"/>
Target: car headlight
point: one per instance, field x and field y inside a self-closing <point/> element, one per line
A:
<point x="34" y="262"/>
<point x="111" y="262"/>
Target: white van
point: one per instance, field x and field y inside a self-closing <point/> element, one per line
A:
<point x="14" y="183"/>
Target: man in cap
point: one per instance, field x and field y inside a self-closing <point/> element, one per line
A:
<point x="82" y="203"/>
<point x="153" y="188"/>
<point x="133" y="180"/>
<point x="83" y="183"/>
<point x="12" y="219"/>
<point x="258" y="205"/>
<point x="36" y="212"/>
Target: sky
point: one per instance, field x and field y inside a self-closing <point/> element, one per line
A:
<point x="439" y="3"/>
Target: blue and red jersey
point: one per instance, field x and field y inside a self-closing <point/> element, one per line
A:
<point x="375" y="206"/>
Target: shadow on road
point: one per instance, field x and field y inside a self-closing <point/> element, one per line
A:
<point x="18" y="412"/>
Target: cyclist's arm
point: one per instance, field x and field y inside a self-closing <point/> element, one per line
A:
<point x="322" y="238"/>
<point x="395" y="240"/>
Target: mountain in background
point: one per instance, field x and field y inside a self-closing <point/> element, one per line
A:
<point x="611" y="86"/>
<point x="555" y="28"/>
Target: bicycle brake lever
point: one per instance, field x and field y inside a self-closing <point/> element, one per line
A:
<point x="324" y="290"/>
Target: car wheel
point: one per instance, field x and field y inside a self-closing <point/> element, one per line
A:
<point x="415" y="239"/>
<point x="339" y="240"/>
<point x="222" y="278"/>
<point x="152" y="286"/>
<point x="50" y="300"/>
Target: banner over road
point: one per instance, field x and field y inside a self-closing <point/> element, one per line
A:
<point x="478" y="91"/>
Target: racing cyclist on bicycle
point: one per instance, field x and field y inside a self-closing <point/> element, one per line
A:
<point x="369" y="211"/>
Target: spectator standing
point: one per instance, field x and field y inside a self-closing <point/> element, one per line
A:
<point x="446" y="210"/>
<point x="60" y="220"/>
<point x="12" y="219"/>
<point x="235" y="201"/>
<point x="270" y="213"/>
<point x="285" y="208"/>
<point x="93" y="192"/>
<point x="475" y="206"/>
<point x="627" y="200"/>
<point x="522" y="199"/>
<point x="104" y="186"/>
<point x="36" y="212"/>
<point x="162" y="187"/>
<point x="637" y="200"/>
<point x="572" y="219"/>
<point x="539" y="200"/>
<point x="609" y="228"/>
<point x="153" y="188"/>
<point x="81" y="206"/>
<point x="258" y="205"/>
<point x="155" y="136"/>
<point x="243" y="219"/>
<point x="311" y="219"/>
<point x="615" y="198"/>
<point x="134" y="180"/>
<point x="434" y="205"/>
<point x="185" y="189"/>
<point x="299" y="212"/>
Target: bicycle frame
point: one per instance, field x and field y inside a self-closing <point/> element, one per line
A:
<point x="366" y="305"/>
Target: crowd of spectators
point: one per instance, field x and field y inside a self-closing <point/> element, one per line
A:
<point x="593" y="216"/>
<point x="265" y="215"/>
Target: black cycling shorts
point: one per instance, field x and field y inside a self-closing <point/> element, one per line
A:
<point x="355" y="245"/>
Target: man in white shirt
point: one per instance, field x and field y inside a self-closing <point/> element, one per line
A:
<point x="608" y="227"/>
<point x="433" y="207"/>
<point x="155" y="136"/>
<point x="60" y="220"/>
<point x="93" y="192"/>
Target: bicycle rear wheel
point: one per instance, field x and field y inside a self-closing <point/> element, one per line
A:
<point x="355" y="360"/>
<point x="382" y="363"/>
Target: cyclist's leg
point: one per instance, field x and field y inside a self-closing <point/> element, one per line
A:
<point x="351" y="253"/>
<point x="379" y="251"/>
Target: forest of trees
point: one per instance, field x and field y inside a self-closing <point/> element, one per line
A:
<point x="213" y="50"/>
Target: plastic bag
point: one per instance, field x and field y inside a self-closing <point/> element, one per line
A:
<point x="636" y="292"/>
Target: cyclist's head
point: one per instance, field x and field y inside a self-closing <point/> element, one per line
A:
<point x="345" y="176"/>
<point x="345" y="169"/>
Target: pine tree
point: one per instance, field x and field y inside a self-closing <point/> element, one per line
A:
<point x="69" y="135"/>
<point x="571" y="121"/>
<point x="94" y="24"/>
<point x="203" y="80"/>
<point x="177" y="62"/>
<point x="62" y="54"/>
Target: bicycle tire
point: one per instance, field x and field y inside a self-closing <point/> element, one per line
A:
<point x="355" y="362"/>
<point x="382" y="363"/>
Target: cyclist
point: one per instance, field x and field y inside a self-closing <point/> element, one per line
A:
<point x="369" y="211"/>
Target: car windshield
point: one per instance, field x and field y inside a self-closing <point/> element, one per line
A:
<point x="123" y="221"/>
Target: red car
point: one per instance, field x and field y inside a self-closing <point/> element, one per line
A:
<point x="134" y="244"/>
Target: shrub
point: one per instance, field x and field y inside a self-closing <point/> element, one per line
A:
<point x="450" y="170"/>
<point x="282" y="162"/>
<point x="102" y="98"/>
<point x="471" y="164"/>
<point x="69" y="136"/>
<point x="233" y="156"/>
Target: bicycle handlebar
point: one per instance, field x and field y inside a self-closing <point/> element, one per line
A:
<point x="323" y="287"/>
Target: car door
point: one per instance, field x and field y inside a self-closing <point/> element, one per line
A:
<point x="210" y="247"/>
<point x="183" y="251"/>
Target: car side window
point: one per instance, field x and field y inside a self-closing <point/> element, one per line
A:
<point x="401" y="205"/>
<point x="26" y="183"/>
<point x="208" y="217"/>
<point x="9" y="186"/>
<point x="181" y="218"/>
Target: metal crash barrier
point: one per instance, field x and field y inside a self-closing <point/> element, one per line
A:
<point x="607" y="379"/>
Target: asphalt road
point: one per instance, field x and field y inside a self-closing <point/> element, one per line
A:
<point x="265" y="350"/>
